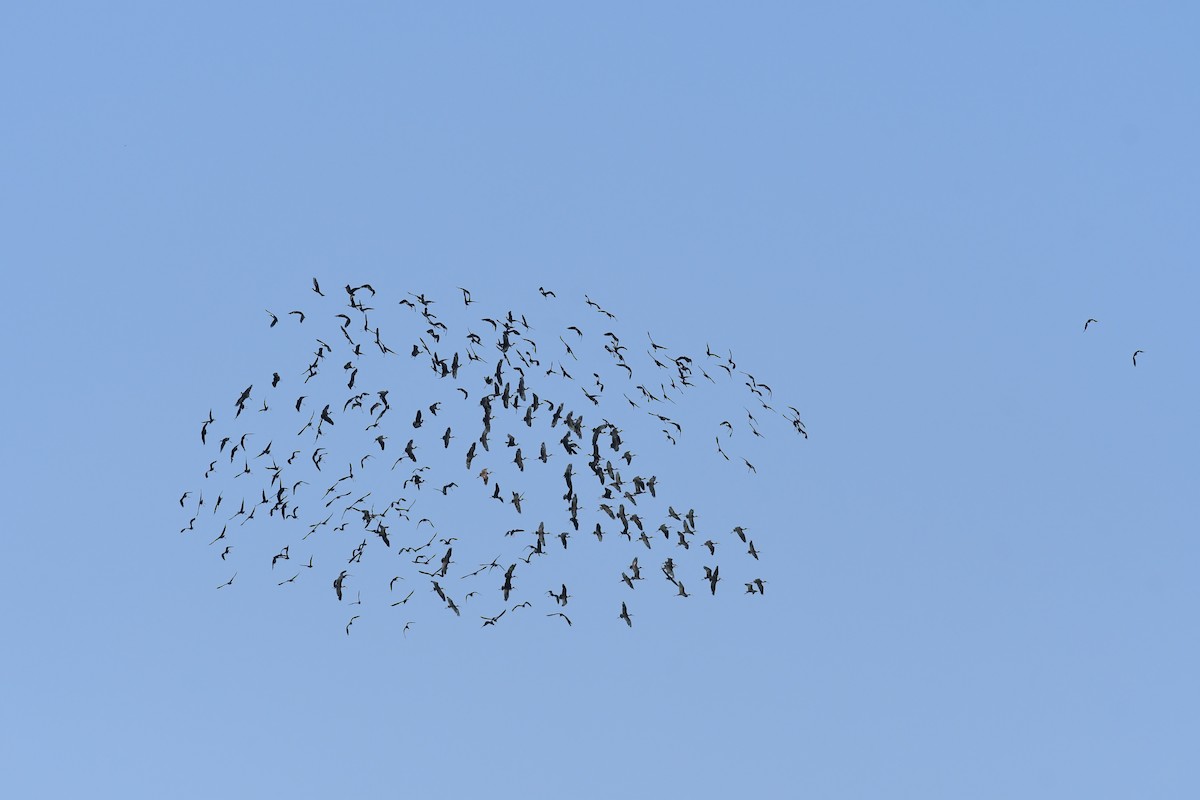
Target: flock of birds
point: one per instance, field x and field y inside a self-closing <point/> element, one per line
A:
<point x="528" y="399"/>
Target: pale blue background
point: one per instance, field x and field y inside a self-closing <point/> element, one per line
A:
<point x="983" y="564"/>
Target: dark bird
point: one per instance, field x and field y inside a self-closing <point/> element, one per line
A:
<point x="508" y="576"/>
<point x="351" y="622"/>
<point x="560" y="614"/>
<point x="560" y="598"/>
<point x="625" y="615"/>
<point x="546" y="292"/>
<point x="316" y="287"/>
<point x="298" y="313"/>
<point x="1089" y="322"/>
<point x="492" y="620"/>
<point x="228" y="582"/>
<point x="712" y="576"/>
<point x="274" y="320"/>
<point x="1136" y="353"/>
<point x="337" y="584"/>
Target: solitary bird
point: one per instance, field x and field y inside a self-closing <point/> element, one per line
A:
<point x="1135" y="355"/>
<point x="1089" y="322"/>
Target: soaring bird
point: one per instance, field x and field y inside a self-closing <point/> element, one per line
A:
<point x="1089" y="322"/>
<point x="625" y="615"/>
<point x="1135" y="355"/>
<point x="712" y="576"/>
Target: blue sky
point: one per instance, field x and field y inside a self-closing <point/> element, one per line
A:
<point x="982" y="563"/>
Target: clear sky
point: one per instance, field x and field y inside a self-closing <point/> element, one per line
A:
<point x="982" y="564"/>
